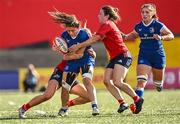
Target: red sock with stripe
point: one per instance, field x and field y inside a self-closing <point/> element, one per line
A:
<point x="26" y="106"/>
<point x="121" y="101"/>
<point x="71" y="103"/>
<point x="136" y="98"/>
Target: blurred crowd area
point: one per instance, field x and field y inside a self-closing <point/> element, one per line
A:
<point x="40" y="56"/>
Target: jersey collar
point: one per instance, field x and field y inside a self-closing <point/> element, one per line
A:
<point x="76" y="35"/>
<point x="146" y="25"/>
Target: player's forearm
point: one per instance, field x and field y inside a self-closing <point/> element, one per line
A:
<point x="167" y="37"/>
<point x="80" y="51"/>
<point x="90" y="41"/>
<point x="129" y="37"/>
<point x="71" y="57"/>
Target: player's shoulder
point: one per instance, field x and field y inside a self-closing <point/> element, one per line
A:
<point x="107" y="24"/>
<point x="139" y="24"/>
<point x="157" y="22"/>
<point x="83" y="31"/>
<point x="64" y="33"/>
<point x="110" y="23"/>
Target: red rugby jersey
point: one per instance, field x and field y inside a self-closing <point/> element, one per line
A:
<point x="112" y="39"/>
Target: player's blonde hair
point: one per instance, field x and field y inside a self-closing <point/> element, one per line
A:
<point x="112" y="12"/>
<point x="65" y="19"/>
<point x="151" y="7"/>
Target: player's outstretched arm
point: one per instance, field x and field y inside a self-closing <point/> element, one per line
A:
<point x="86" y="43"/>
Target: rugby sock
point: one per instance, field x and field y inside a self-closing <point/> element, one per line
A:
<point x="94" y="104"/>
<point x="136" y="98"/>
<point x="140" y="92"/>
<point x="121" y="101"/>
<point x="26" y="106"/>
<point x="71" y="103"/>
<point x="64" y="108"/>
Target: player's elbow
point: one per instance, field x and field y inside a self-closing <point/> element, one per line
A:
<point x="172" y="36"/>
<point x="169" y="37"/>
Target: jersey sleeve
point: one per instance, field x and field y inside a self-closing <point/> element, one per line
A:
<point x="86" y="34"/>
<point x="63" y="35"/>
<point x="88" y="31"/>
<point x="136" y="28"/>
<point x="159" y="25"/>
<point x="104" y="28"/>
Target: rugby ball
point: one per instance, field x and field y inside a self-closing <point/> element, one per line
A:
<point x="61" y="44"/>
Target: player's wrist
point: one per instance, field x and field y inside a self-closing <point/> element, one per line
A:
<point x="123" y="35"/>
<point x="161" y="38"/>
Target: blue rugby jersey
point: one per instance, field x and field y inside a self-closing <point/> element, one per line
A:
<point x="81" y="37"/>
<point x="146" y="35"/>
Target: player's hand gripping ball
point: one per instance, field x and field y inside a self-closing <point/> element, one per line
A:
<point x="61" y="45"/>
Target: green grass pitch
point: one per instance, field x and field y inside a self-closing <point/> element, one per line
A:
<point x="163" y="107"/>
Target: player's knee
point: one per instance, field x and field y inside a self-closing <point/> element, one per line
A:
<point x="106" y="82"/>
<point x="118" y="83"/>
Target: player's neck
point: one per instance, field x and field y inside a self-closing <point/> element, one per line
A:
<point x="147" y="22"/>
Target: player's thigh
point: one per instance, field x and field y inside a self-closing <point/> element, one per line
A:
<point x="80" y="90"/>
<point x="51" y="88"/>
<point x="57" y="76"/>
<point x="143" y="69"/>
<point x="158" y="74"/>
<point x="119" y="73"/>
<point x="108" y="75"/>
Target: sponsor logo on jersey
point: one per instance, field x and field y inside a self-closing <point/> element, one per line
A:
<point x="151" y="30"/>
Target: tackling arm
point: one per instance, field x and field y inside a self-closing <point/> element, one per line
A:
<point x="86" y="43"/>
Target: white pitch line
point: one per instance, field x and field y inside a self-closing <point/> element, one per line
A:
<point x="11" y="103"/>
<point x="40" y="112"/>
